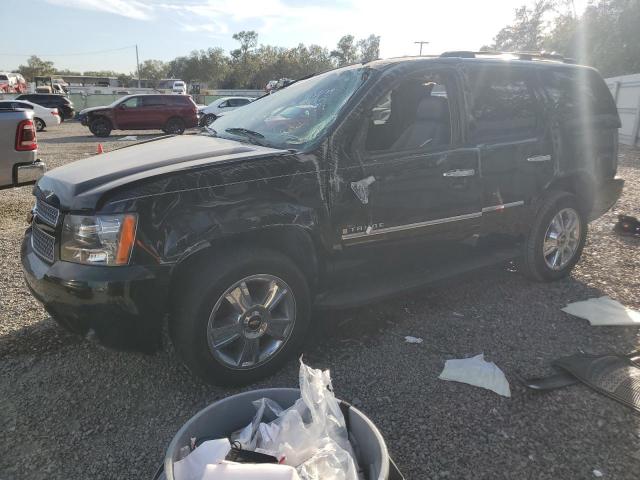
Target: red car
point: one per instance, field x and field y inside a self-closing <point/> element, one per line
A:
<point x="170" y="113"/>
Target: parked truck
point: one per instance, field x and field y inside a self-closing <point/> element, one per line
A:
<point x="19" y="164"/>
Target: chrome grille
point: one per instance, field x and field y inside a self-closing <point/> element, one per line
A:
<point x="47" y="213"/>
<point x="43" y="243"/>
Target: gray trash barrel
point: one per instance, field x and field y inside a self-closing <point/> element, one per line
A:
<point x="224" y="417"/>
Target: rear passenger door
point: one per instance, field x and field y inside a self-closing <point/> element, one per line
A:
<point x="506" y="112"/>
<point x="154" y="111"/>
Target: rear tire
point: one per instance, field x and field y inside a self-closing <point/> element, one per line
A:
<point x="555" y="241"/>
<point x="100" y="127"/>
<point x="174" y="126"/>
<point x="202" y="308"/>
<point x="40" y="125"/>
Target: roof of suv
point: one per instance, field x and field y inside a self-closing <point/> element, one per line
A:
<point x="528" y="58"/>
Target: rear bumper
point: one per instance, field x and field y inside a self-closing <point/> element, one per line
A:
<point x="26" y="173"/>
<point x="120" y="304"/>
<point x="606" y="196"/>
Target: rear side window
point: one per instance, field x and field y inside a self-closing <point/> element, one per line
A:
<point x="153" y="101"/>
<point x="503" y="105"/>
<point x="237" y="102"/>
<point x="571" y="90"/>
<point x="180" y="100"/>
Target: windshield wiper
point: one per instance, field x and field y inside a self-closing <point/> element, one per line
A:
<point x="244" y="131"/>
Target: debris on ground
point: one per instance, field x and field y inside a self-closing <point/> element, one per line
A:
<point x="410" y="339"/>
<point x="616" y="376"/>
<point x="603" y="311"/>
<point x="129" y="137"/>
<point x="477" y="372"/>
<point x="597" y="473"/>
<point x="627" y="225"/>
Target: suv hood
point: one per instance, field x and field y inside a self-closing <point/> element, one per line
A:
<point x="92" y="109"/>
<point x="80" y="185"/>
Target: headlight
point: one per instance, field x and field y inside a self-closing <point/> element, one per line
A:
<point x="99" y="240"/>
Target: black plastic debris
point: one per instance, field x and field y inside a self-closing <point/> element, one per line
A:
<point x="627" y="225"/>
<point x="616" y="376"/>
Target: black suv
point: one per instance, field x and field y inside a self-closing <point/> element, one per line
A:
<point x="339" y="189"/>
<point x="51" y="100"/>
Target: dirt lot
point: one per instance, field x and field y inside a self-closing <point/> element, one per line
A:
<point x="70" y="409"/>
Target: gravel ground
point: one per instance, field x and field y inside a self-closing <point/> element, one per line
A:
<point x="70" y="409"/>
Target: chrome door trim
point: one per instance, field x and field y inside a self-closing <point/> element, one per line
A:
<point x="411" y="226"/>
<point x="539" y="158"/>
<point x="460" y="173"/>
<point x="502" y="206"/>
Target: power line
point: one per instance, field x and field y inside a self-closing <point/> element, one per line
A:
<point x="67" y="54"/>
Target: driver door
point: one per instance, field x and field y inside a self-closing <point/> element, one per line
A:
<point x="128" y="114"/>
<point x="416" y="179"/>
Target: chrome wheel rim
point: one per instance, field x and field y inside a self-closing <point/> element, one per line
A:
<point x="251" y="321"/>
<point x="562" y="239"/>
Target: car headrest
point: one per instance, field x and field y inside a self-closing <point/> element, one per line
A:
<point x="432" y="108"/>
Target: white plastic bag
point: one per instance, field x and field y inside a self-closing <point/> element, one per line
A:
<point x="477" y="372"/>
<point x="311" y="435"/>
<point x="194" y="465"/>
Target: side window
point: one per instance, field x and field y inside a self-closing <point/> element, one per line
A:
<point x="503" y="106"/>
<point x="412" y="115"/>
<point x="572" y="89"/>
<point x="131" y="103"/>
<point x="152" y="101"/>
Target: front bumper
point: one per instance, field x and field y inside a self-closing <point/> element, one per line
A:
<point x="606" y="195"/>
<point x="120" y="304"/>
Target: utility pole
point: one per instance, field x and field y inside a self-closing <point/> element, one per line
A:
<point x="138" y="65"/>
<point x="421" y="43"/>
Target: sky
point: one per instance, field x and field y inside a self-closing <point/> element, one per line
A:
<point x="76" y="34"/>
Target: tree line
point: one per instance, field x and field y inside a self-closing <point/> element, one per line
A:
<point x="606" y="35"/>
<point x="248" y="66"/>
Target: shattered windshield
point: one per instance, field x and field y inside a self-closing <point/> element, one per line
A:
<point x="294" y="116"/>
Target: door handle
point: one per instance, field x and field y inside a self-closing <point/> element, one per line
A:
<point x="460" y="173"/>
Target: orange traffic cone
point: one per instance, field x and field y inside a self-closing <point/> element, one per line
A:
<point x="100" y="149"/>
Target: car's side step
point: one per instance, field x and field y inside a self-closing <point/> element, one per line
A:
<point x="375" y="289"/>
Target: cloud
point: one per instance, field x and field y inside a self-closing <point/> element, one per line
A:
<point x="126" y="8"/>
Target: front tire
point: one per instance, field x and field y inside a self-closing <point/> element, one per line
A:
<point x="40" y="125"/>
<point x="241" y="316"/>
<point x="100" y="127"/>
<point x="555" y="241"/>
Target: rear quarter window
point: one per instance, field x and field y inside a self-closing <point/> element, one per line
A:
<point x="576" y="90"/>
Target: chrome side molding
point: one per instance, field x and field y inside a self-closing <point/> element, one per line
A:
<point x="539" y="158"/>
<point x="460" y="173"/>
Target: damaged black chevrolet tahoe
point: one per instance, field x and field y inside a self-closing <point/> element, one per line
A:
<point x="345" y="187"/>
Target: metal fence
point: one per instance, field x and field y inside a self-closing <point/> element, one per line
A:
<point x="626" y="92"/>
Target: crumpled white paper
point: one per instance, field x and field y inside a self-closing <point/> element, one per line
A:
<point x="477" y="372"/>
<point x="248" y="471"/>
<point x="603" y="311"/>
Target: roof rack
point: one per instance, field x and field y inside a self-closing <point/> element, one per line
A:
<point x="547" y="56"/>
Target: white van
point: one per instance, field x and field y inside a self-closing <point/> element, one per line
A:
<point x="179" y="87"/>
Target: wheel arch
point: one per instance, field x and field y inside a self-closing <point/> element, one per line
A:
<point x="579" y="183"/>
<point x="293" y="241"/>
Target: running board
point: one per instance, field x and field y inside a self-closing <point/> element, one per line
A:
<point x="376" y="289"/>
